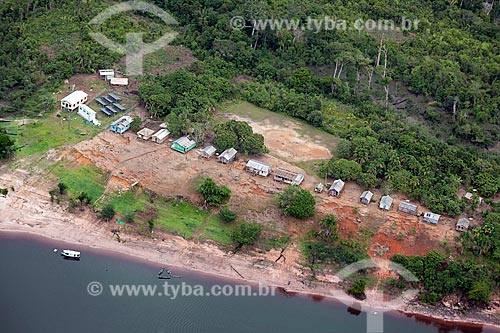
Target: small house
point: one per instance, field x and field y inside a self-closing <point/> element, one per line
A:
<point x="336" y="187"/>
<point x="228" y="155"/>
<point x="462" y="225"/>
<point x="74" y="100"/>
<point x="258" y="168"/>
<point x="366" y="197"/>
<point x="319" y="188"/>
<point x="408" y="208"/>
<point x="288" y="177"/>
<point x="208" y="152"/>
<point x="163" y="125"/>
<point x="431" y="217"/>
<point x="119" y="81"/>
<point x="386" y="202"/>
<point x="469" y="196"/>
<point x="161" y="135"/>
<point x="88" y="114"/>
<point x="121" y="125"/>
<point x="145" y="133"/>
<point x="183" y="145"/>
<point x="106" y="74"/>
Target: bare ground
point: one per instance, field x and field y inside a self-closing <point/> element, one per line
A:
<point x="164" y="171"/>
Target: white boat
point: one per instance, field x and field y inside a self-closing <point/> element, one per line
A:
<point x="70" y="254"/>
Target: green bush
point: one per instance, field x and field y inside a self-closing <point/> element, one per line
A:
<point x="107" y="212"/>
<point x="213" y="195"/>
<point x="357" y="289"/>
<point x="246" y="233"/>
<point x="297" y="202"/>
<point x="227" y="215"/>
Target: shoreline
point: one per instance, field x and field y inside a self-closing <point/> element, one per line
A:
<point x="336" y="295"/>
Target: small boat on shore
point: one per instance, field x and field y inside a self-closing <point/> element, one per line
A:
<point x="70" y="254"/>
<point x="166" y="274"/>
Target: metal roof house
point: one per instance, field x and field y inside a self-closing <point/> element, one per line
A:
<point x="106" y="74"/>
<point x="469" y="196"/>
<point x="319" y="188"/>
<point x="258" y="168"/>
<point x="288" y="177"/>
<point x="161" y="135"/>
<point x="119" y="81"/>
<point x="431" y="217"/>
<point x="88" y="114"/>
<point x="336" y="187"/>
<point x="183" y="145"/>
<point x="385" y="202"/>
<point x="121" y="125"/>
<point x="366" y="197"/>
<point x="228" y="155"/>
<point x="462" y="225"/>
<point x="408" y="208"/>
<point x="208" y="151"/>
<point x="145" y="133"/>
<point x="74" y="100"/>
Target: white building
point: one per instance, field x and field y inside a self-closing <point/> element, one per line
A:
<point x="74" y="100"/>
<point x="336" y="187"/>
<point x="228" y="155"/>
<point x="88" y="114"/>
<point x="106" y="74"/>
<point x="288" y="177"/>
<point x="385" y="202"/>
<point x="431" y="217"/>
<point x="462" y="225"/>
<point x="119" y="81"/>
<point x="145" y="133"/>
<point x="208" y="151"/>
<point x="161" y="135"/>
<point x="258" y="168"/>
<point x="366" y="197"/>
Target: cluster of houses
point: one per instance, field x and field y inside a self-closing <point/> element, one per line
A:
<point x="255" y="167"/>
<point x="386" y="202"/>
<point x="262" y="169"/>
<point x="76" y="102"/>
<point x="109" y="75"/>
<point x="182" y="145"/>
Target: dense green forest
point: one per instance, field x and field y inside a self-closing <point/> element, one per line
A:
<point x="452" y="60"/>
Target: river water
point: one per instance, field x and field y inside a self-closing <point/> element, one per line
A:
<point x="42" y="292"/>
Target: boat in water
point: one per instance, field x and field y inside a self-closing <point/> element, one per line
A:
<point x="70" y="254"/>
<point x="165" y="273"/>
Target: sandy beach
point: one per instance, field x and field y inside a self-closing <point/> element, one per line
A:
<point x="29" y="210"/>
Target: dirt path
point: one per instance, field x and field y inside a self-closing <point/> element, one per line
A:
<point x="199" y="229"/>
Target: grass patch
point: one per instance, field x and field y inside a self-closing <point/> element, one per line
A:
<point x="339" y="119"/>
<point x="217" y="230"/>
<point x="51" y="131"/>
<point x="181" y="218"/>
<point x="42" y="135"/>
<point x="81" y="178"/>
<point x="313" y="167"/>
<point x="275" y="241"/>
<point x="251" y="111"/>
<point x="169" y="215"/>
<point x="129" y="202"/>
